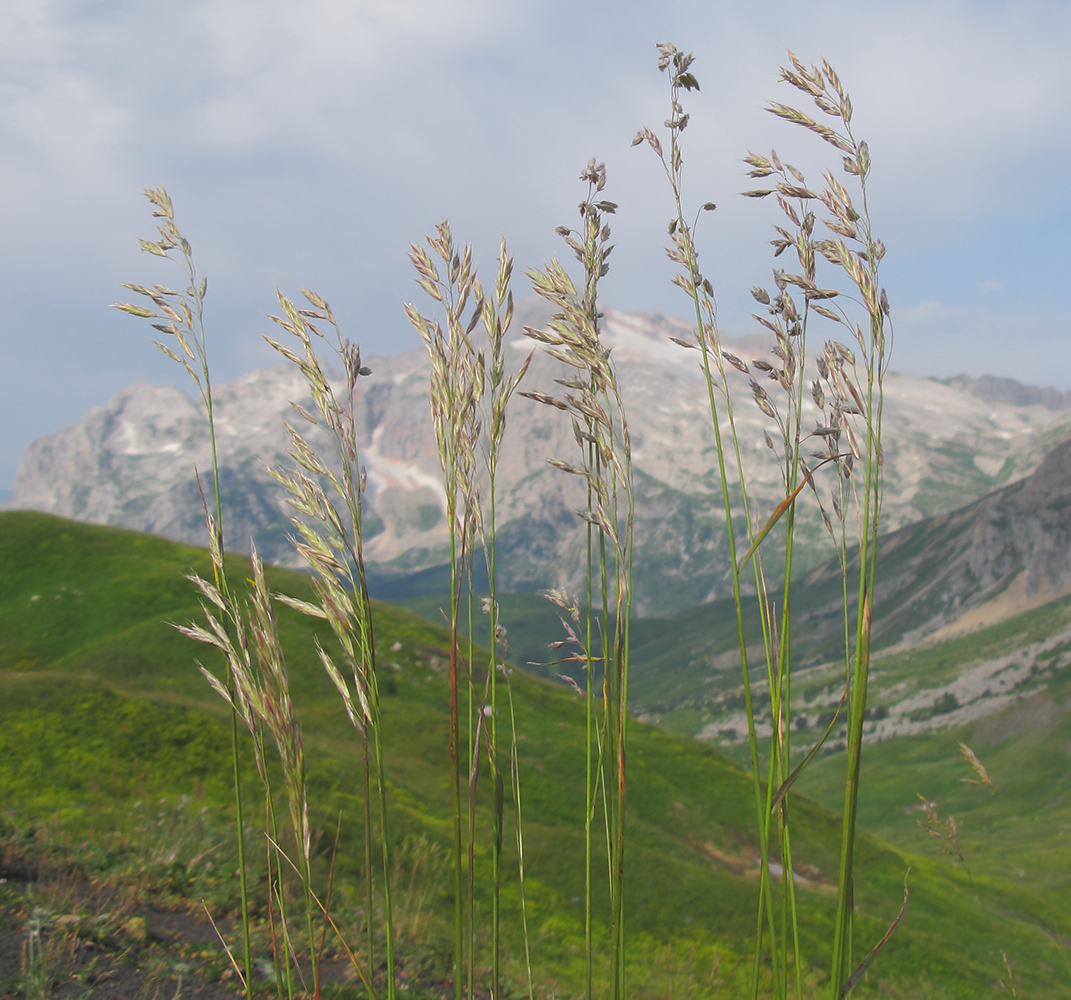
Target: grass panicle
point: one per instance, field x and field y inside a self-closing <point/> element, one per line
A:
<point x="180" y="315"/>
<point x="592" y="399"/>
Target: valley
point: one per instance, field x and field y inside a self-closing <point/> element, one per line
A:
<point x="103" y="710"/>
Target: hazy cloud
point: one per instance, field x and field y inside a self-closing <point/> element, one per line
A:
<point x="310" y="143"/>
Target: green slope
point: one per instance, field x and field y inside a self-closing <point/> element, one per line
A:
<point x="1020" y="830"/>
<point x="102" y="711"/>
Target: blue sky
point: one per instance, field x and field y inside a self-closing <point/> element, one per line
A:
<point x="310" y="143"/>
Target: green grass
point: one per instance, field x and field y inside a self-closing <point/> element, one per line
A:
<point x="1020" y="833"/>
<point x="685" y="667"/>
<point x="107" y="710"/>
<point x="1016" y="843"/>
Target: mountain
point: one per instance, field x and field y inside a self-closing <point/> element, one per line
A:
<point x="972" y="615"/>
<point x="1007" y="390"/>
<point x="131" y="463"/>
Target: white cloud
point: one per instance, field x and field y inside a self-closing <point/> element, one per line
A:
<point x="282" y="69"/>
<point x="955" y="98"/>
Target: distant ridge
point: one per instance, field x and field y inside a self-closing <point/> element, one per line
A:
<point x="1009" y="392"/>
<point x="130" y="464"/>
<point x="971" y="617"/>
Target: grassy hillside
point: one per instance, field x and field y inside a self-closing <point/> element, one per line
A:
<point x="105" y="724"/>
<point x="1005" y="691"/>
<point x="1019" y="830"/>
<point x="686" y="667"/>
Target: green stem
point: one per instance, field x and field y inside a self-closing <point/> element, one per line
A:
<point x="273" y="826"/>
<point x="515" y="773"/>
<point x="368" y="648"/>
<point x="842" y="957"/>
<point x="240" y="820"/>
<point x="369" y="890"/>
<point x="455" y="773"/>
<point x="221" y="583"/>
<point x="492" y="667"/>
<point x="314" y="958"/>
<point x="589" y="787"/>
<point x="706" y="346"/>
<point x="473" y="764"/>
<point x="387" y="906"/>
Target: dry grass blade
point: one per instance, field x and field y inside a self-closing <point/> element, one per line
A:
<point x="776" y="516"/>
<point x="226" y="947"/>
<point x="783" y="790"/>
<point x="860" y="970"/>
<point x="979" y="769"/>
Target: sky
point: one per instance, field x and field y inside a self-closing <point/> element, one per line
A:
<point x="309" y="143"/>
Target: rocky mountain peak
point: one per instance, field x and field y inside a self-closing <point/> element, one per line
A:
<point x="131" y="463"/>
<point x="1051" y="480"/>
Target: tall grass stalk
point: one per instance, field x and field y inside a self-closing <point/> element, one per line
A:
<point x="327" y="500"/>
<point x="496" y="315"/>
<point x="470" y="393"/>
<point x="850" y="402"/>
<point x="180" y="314"/>
<point x="700" y="291"/>
<point x="600" y="428"/>
<point x="837" y="396"/>
<point x="456" y="389"/>
<point x="854" y="249"/>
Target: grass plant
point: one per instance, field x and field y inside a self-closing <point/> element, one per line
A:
<point x="331" y="542"/>
<point x="600" y="428"/>
<point x="470" y="393"/>
<point x="496" y="316"/>
<point x="456" y="387"/>
<point x="328" y="520"/>
<point x="849" y="432"/>
<point x="181" y="316"/>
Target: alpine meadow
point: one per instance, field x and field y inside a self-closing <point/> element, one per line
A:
<point x="226" y="777"/>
